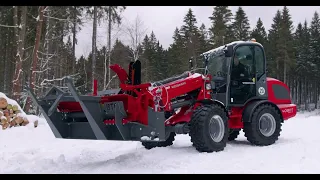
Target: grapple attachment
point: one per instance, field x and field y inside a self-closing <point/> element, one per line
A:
<point x="108" y="115"/>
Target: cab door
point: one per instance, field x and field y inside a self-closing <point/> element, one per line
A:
<point x="247" y="77"/>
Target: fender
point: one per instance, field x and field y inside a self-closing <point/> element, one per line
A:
<point x="212" y="101"/>
<point x="249" y="109"/>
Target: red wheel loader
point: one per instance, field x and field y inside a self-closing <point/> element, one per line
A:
<point x="211" y="106"/>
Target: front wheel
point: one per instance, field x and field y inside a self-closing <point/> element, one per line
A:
<point x="209" y="128"/>
<point x="265" y="126"/>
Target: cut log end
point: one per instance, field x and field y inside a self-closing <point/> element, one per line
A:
<point x="3" y="103"/>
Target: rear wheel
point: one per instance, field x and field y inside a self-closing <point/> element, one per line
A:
<point x="265" y="126"/>
<point x="209" y="128"/>
<point x="168" y="142"/>
<point x="233" y="134"/>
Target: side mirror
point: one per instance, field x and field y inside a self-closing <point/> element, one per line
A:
<point x="191" y="63"/>
<point x="229" y="51"/>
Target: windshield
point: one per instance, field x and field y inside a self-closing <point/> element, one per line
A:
<point x="217" y="65"/>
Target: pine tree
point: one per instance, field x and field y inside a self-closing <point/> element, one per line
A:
<point x="314" y="42"/>
<point x="220" y="19"/>
<point x="230" y="35"/>
<point x="189" y="29"/>
<point x="286" y="42"/>
<point x="259" y="33"/>
<point x="146" y="55"/>
<point x="273" y="63"/>
<point x="303" y="64"/>
<point x="162" y="64"/>
<point x="154" y="62"/>
<point x="191" y="37"/>
<point x="176" y="54"/>
<point x="80" y="83"/>
<point x="241" y="25"/>
<point x="298" y="48"/>
<point x="315" y="55"/>
<point x="203" y="39"/>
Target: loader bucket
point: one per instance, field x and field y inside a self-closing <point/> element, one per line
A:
<point x="105" y="116"/>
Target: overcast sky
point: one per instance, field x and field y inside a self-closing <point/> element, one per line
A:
<point x="164" y="19"/>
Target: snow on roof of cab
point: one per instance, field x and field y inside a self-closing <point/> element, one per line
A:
<point x="222" y="47"/>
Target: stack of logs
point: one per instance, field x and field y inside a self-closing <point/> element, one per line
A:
<point x="10" y="115"/>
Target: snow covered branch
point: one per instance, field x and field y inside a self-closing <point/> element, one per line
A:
<point x="45" y="81"/>
<point x="7" y="26"/>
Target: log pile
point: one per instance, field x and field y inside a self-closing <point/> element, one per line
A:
<point x="10" y="115"/>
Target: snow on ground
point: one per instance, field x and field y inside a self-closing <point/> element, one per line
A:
<point x="35" y="150"/>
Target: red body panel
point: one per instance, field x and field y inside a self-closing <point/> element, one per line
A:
<point x="235" y="118"/>
<point x="288" y="109"/>
<point x="177" y="88"/>
<point x="271" y="93"/>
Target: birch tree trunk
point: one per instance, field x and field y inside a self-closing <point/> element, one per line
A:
<point x="74" y="29"/>
<point x="109" y="44"/>
<point x="94" y="45"/>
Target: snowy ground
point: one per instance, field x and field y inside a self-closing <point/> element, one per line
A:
<point x="35" y="150"/>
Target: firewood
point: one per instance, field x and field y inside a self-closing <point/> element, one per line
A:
<point x="3" y="120"/>
<point x="11" y="113"/>
<point x="9" y="106"/>
<point x="3" y="103"/>
<point x="5" y="126"/>
<point x="13" y="123"/>
<point x="18" y="120"/>
<point x="6" y="112"/>
<point x="15" y="108"/>
<point x="25" y="122"/>
<point x="8" y="118"/>
<point x="4" y="123"/>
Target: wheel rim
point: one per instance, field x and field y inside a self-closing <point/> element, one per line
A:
<point x="267" y="124"/>
<point x="216" y="128"/>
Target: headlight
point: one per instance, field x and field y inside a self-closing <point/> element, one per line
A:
<point x="208" y="86"/>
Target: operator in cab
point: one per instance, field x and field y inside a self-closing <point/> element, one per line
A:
<point x="239" y="74"/>
<point x="238" y="70"/>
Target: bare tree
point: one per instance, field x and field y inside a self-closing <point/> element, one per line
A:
<point x="35" y="52"/>
<point x="74" y="31"/>
<point x="20" y="36"/>
<point x="94" y="43"/>
<point x="113" y="17"/>
<point x="135" y="33"/>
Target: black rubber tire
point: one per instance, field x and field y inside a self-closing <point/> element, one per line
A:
<point x="251" y="129"/>
<point x="233" y="134"/>
<point x="199" y="128"/>
<point x="168" y="142"/>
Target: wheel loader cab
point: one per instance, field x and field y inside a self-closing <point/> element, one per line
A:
<point x="238" y="73"/>
<point x="247" y="74"/>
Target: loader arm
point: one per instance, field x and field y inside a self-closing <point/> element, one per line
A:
<point x="186" y="91"/>
<point x="121" y="73"/>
